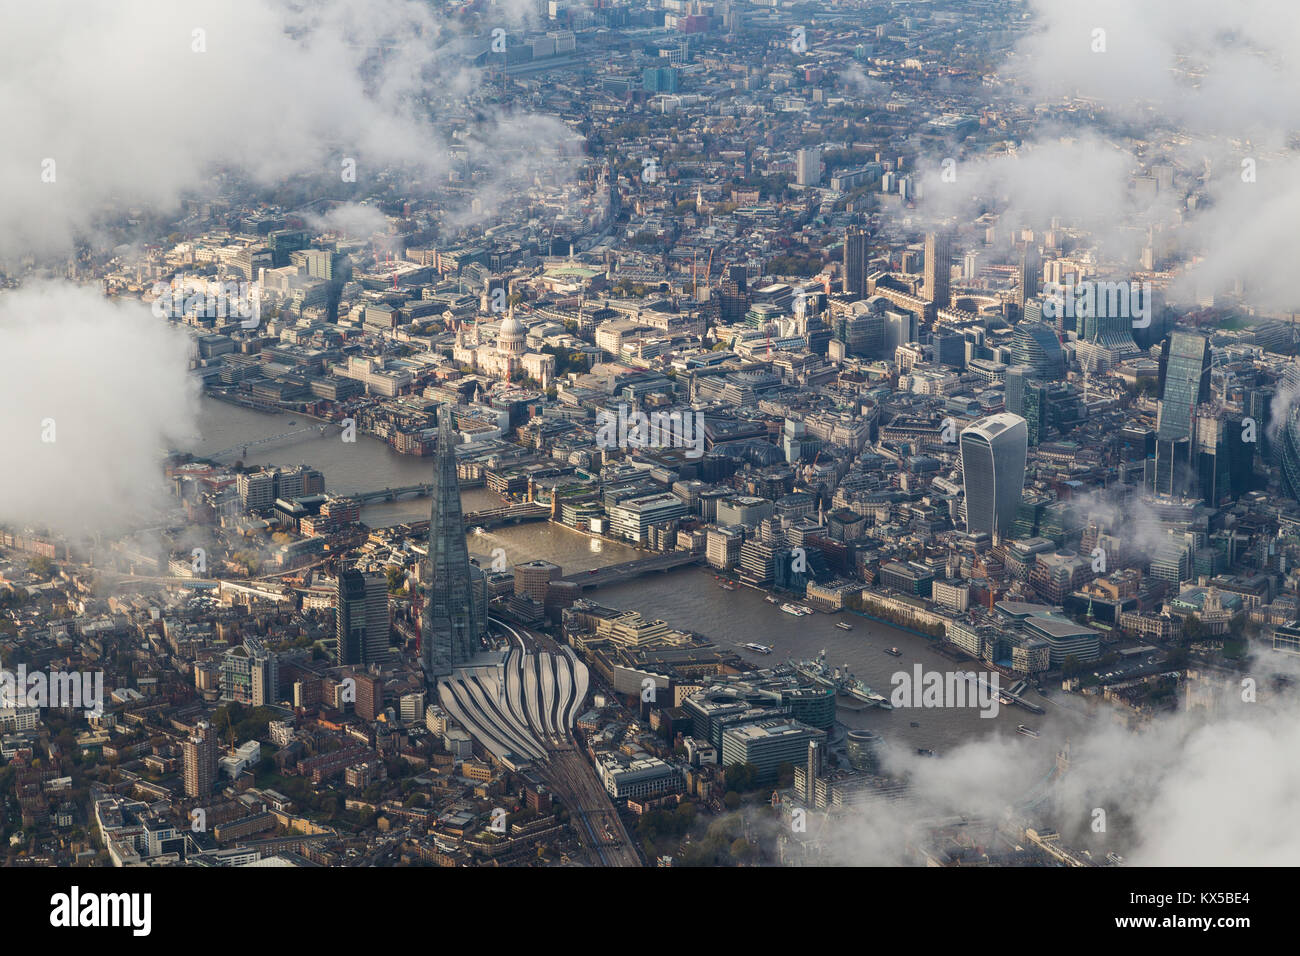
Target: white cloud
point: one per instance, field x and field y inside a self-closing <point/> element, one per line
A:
<point x="113" y="380"/>
<point x="132" y="116"/>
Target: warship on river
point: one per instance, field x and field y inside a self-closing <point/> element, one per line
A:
<point x="841" y="679"/>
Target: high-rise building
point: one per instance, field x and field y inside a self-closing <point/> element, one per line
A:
<point x="993" y="452"/>
<point x="534" y="578"/>
<point x="1184" y="382"/>
<point x="661" y="79"/>
<point x="901" y="328"/>
<point x="938" y="268"/>
<point x="808" y="166"/>
<point x="855" y="262"/>
<point x="361" y="619"/>
<point x="1014" y="389"/>
<point x="1172" y="471"/>
<point x="450" y="625"/>
<point x="1035" y="345"/>
<point x="199" y="754"/>
<point x="733" y="295"/>
<point x="1030" y="272"/>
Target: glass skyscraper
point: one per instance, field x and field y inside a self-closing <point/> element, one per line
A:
<point x="1035" y="345"/>
<point x="993" y="452"/>
<point x="450" y="625"/>
<point x="1184" y="382"/>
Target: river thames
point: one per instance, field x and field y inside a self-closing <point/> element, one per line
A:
<point x="689" y="598"/>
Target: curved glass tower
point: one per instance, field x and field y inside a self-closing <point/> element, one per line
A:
<point x="993" y="452"/>
<point x="1035" y="345"/>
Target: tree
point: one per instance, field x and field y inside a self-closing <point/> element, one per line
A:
<point x="731" y="800"/>
<point x="42" y="567"/>
<point x="396" y="578"/>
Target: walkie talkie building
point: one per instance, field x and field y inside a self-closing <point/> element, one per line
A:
<point x="993" y="451"/>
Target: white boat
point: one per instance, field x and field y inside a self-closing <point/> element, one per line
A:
<point x="1027" y="731"/>
<point x="798" y="610"/>
<point x="844" y="625"/>
<point x="758" y="648"/>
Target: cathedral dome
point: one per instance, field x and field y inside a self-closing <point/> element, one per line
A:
<point x="512" y="329"/>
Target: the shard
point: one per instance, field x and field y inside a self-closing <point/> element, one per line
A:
<point x="450" y="625"/>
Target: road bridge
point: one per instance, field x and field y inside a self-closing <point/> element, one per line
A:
<point x="630" y="570"/>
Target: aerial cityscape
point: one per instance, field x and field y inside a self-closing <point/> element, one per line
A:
<point x="649" y="433"/>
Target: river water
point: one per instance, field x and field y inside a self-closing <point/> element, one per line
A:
<point x="688" y="598"/>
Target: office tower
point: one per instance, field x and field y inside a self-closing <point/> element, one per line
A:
<point x="199" y="754"/>
<point x="1017" y="378"/>
<point x="938" y="268"/>
<point x="450" y="627"/>
<point x="361" y="620"/>
<point x="1288" y="451"/>
<point x="1183" y="384"/>
<point x="1171" y="471"/>
<point x="863" y="748"/>
<point x="901" y="328"/>
<point x="1111" y="331"/>
<point x="949" y="348"/>
<point x="855" y="262"/>
<point x="1036" y="346"/>
<point x="332" y="268"/>
<point x="284" y="242"/>
<point x="1047" y="406"/>
<point x="733" y="296"/>
<point x="1224" y="462"/>
<point x="993" y="452"/>
<point x="1161" y="317"/>
<point x="808" y="164"/>
<point x="862" y="327"/>
<point x="534" y="578"/>
<point x="1029" y="273"/>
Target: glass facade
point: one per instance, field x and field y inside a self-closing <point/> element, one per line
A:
<point x="1184" y="382"/>
<point x="993" y="452"/>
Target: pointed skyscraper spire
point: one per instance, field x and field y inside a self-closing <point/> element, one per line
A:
<point x="450" y="627"/>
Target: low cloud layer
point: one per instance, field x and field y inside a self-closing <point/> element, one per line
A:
<point x="108" y="383"/>
<point x="1190" y="788"/>
<point x="1195" y="85"/>
<point x="263" y="90"/>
